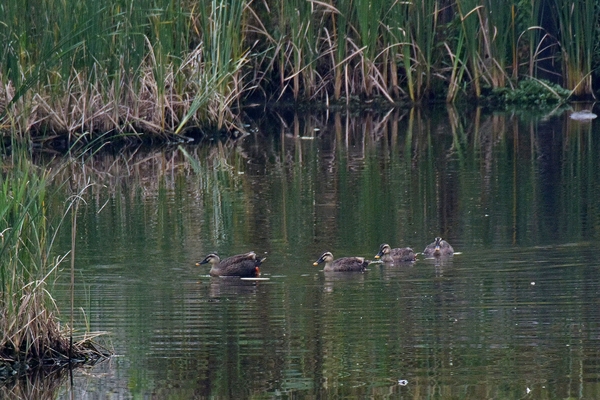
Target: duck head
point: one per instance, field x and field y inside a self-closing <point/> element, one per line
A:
<point x="438" y="245"/>
<point x="383" y="249"/>
<point x="325" y="257"/>
<point x="212" y="258"/>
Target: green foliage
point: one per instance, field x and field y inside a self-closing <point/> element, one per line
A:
<point x="531" y="93"/>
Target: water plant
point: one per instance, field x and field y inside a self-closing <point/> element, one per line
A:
<point x="578" y="28"/>
<point x="421" y="20"/>
<point x="531" y="93"/>
<point x="135" y="68"/>
<point x="499" y="40"/>
<point x="31" y="334"/>
<point x="215" y="64"/>
<point x="469" y="13"/>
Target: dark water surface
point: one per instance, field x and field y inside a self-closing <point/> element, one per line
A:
<point x="516" y="314"/>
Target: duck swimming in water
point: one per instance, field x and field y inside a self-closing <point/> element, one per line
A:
<point x="396" y="255"/>
<point x="344" y="264"/>
<point x="438" y="248"/>
<point x="242" y="265"/>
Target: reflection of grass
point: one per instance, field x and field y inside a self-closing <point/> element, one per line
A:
<point x="222" y="187"/>
<point x="36" y="384"/>
<point x="30" y="332"/>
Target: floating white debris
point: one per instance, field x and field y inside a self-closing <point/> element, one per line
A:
<point x="584" y="115"/>
<point x="255" y="279"/>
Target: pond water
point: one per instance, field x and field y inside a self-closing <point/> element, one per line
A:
<point x="515" y="314"/>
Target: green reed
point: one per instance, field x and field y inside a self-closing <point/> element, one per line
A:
<point x="578" y="25"/>
<point x="338" y="42"/>
<point x="499" y="40"/>
<point x="420" y="22"/>
<point x="215" y="65"/>
<point x="470" y="14"/>
<point x="156" y="66"/>
<point x="395" y="31"/>
<point x="30" y="331"/>
<point x="295" y="43"/>
<point x="368" y="14"/>
<point x="24" y="234"/>
<point x="458" y="67"/>
<point x="533" y="36"/>
<point x="486" y="48"/>
<point x="27" y="312"/>
<point x="113" y="65"/>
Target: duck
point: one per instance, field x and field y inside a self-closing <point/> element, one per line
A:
<point x="438" y="248"/>
<point x="344" y="264"/>
<point x="243" y="265"/>
<point x="399" y="254"/>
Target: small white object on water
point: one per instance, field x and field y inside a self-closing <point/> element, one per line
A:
<point x="255" y="279"/>
<point x="584" y="115"/>
<point x="532" y="283"/>
<point x="528" y="390"/>
<point x="402" y="382"/>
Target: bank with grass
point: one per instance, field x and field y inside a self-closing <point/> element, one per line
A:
<point x="78" y="70"/>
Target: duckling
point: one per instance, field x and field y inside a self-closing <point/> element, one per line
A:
<point x="438" y="248"/>
<point x="242" y="265"/>
<point x="344" y="264"/>
<point x="401" y="254"/>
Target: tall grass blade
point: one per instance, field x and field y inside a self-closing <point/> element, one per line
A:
<point x="578" y="25"/>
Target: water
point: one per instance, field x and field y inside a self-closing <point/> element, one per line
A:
<point x="513" y="315"/>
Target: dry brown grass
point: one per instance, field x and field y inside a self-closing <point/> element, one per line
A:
<point x="33" y="337"/>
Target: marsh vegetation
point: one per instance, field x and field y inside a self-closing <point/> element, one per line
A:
<point x="32" y="336"/>
<point x="82" y="69"/>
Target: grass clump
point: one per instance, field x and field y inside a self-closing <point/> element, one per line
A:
<point x="31" y="335"/>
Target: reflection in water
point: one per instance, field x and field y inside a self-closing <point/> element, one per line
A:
<point x="227" y="287"/>
<point x="514" y="310"/>
<point x="341" y="279"/>
<point x="41" y="383"/>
